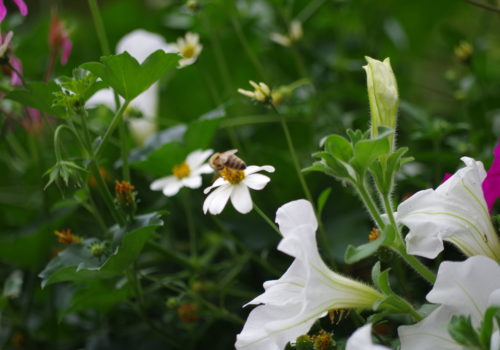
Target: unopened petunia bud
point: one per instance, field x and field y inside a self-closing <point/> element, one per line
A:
<point x="382" y="93"/>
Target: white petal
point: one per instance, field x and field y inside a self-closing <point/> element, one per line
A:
<point x="495" y="341"/>
<point x="204" y="169"/>
<point x="219" y="182"/>
<point x="240" y="197"/>
<point x="256" y="181"/>
<point x="456" y="212"/>
<point x="103" y="97"/>
<point x="430" y="333"/>
<point x="160" y="183"/>
<point x="140" y="44"/>
<point x="362" y="340"/>
<point x="172" y="188"/>
<point x="259" y="332"/>
<point x="147" y="102"/>
<point x="465" y="287"/>
<point x="196" y="158"/>
<point x="141" y="129"/>
<point x="254" y="168"/>
<point x="216" y="201"/>
<point x="294" y="214"/>
<point x="192" y="181"/>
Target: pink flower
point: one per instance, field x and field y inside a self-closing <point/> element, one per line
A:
<point x="491" y="185"/>
<point x="23" y="8"/>
<point x="15" y="79"/>
<point x="59" y="39"/>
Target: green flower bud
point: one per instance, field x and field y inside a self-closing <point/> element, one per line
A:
<point x="382" y="93"/>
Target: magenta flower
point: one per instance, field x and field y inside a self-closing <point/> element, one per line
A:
<point x="491" y="185"/>
<point x="23" y="8"/>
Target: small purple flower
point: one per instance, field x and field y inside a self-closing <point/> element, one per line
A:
<point x="491" y="185"/>
<point x="23" y="8"/>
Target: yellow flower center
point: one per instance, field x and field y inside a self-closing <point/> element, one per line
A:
<point x="232" y="175"/>
<point x="181" y="170"/>
<point x="188" y="51"/>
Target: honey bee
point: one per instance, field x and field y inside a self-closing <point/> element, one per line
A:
<point x="227" y="159"/>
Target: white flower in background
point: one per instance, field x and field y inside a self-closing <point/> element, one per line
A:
<point x="261" y="93"/>
<point x="362" y="340"/>
<point x="294" y="34"/>
<point x="186" y="174"/>
<point x="306" y="291"/>
<point x="189" y="47"/>
<point x="139" y="44"/>
<point x="456" y="212"/>
<point x="462" y="288"/>
<point x="235" y="184"/>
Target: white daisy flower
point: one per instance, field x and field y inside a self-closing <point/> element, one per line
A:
<point x="185" y="174"/>
<point x="234" y="184"/>
<point x="189" y="47"/>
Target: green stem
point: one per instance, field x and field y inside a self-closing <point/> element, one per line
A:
<point x="400" y="247"/>
<point x="141" y="309"/>
<point x="246" y="46"/>
<point x="190" y="222"/>
<point x="112" y="126"/>
<point x="484" y="5"/>
<point x="94" y="167"/>
<point x="266" y="219"/>
<point x="369" y="203"/>
<point x="124" y="150"/>
<point x="303" y="183"/>
<point x="99" y="27"/>
<point x="172" y="256"/>
<point x="19" y="74"/>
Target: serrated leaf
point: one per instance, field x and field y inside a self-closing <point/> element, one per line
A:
<point x="129" y="78"/>
<point x="75" y="263"/>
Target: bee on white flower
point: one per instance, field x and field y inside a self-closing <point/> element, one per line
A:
<point x="234" y="184"/>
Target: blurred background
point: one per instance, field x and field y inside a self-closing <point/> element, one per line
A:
<point x="445" y="55"/>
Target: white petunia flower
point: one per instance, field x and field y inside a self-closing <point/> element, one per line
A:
<point x="456" y="212"/>
<point x="362" y="340"/>
<point x="189" y="47"/>
<point x="306" y="291"/>
<point x="234" y="184"/>
<point x="186" y="174"/>
<point x="462" y="288"/>
<point x="139" y="44"/>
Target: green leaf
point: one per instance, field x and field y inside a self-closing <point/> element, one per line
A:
<point x="339" y="147"/>
<point x="161" y="161"/>
<point x="39" y="95"/>
<point x="487" y="325"/>
<point x="170" y="147"/>
<point x="29" y="248"/>
<point x="323" y="197"/>
<point x="98" y="295"/>
<point x="462" y="331"/>
<point x="366" y="151"/>
<point x="129" y="78"/>
<point x="355" y="254"/>
<point x="76" y="263"/>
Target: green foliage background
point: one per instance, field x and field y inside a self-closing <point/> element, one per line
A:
<point x="448" y="108"/>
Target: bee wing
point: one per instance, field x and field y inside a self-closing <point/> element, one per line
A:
<point x="227" y="154"/>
